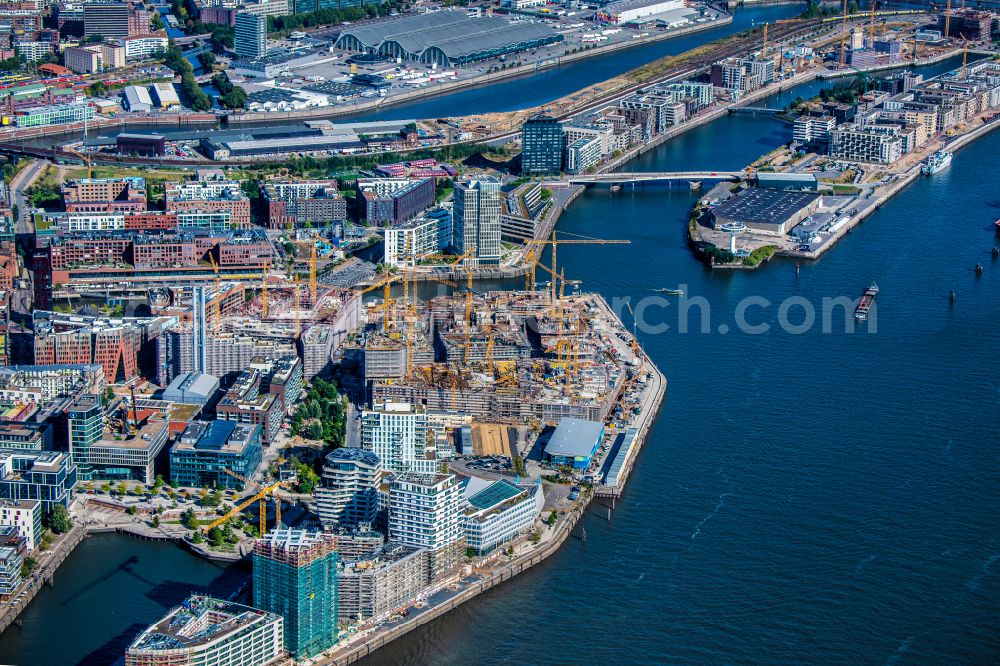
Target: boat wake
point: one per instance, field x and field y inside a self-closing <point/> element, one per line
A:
<point x="718" y="507"/>
<point x="973" y="584"/>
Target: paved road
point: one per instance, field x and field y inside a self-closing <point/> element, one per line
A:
<point x="18" y="185"/>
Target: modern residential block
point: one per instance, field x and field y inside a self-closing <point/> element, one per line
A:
<point x="295" y="576"/>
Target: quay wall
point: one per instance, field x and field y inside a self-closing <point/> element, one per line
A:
<point x="895" y="188"/>
<point x="482" y="79"/>
<point x="564" y="528"/>
<point x="44" y="574"/>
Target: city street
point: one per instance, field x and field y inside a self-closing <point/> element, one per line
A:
<point x="18" y="186"/>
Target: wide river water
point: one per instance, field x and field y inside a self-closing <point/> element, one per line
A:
<point x="806" y="496"/>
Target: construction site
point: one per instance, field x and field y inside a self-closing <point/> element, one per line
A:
<point x="271" y="317"/>
<point x="522" y="357"/>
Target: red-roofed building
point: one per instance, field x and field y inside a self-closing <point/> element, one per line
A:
<point x="52" y="70"/>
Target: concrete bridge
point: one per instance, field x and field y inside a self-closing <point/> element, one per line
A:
<point x="763" y="110"/>
<point x="621" y="178"/>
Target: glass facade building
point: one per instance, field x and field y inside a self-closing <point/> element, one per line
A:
<point x="204" y="451"/>
<point x="295" y="576"/>
<point x="541" y="146"/>
<point x="58" y="114"/>
<point x="85" y="422"/>
<point x="48" y="477"/>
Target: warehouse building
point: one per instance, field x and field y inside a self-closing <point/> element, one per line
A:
<point x="574" y="442"/>
<point x="627" y="11"/>
<point x="766" y="211"/>
<point x="447" y="38"/>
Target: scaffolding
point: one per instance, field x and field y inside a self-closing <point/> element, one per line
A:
<point x="295" y="575"/>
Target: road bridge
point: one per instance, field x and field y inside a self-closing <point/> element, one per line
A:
<point x="620" y="178"/>
<point x="762" y="110"/>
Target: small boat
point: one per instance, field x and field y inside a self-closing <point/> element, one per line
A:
<point x="997" y="225"/>
<point x="672" y="292"/>
<point x="936" y="162"/>
<point x="866" y="302"/>
<point x="979" y="269"/>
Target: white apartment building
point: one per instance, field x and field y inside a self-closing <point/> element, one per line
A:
<point x="141" y="47"/>
<point x="583" y="154"/>
<point x="396" y="432"/>
<point x="348" y="495"/>
<point x="94" y="221"/>
<point x="813" y="128"/>
<point x="858" y="145"/>
<point x="210" y="632"/>
<point x="216" y="220"/>
<point x="477" y="220"/>
<point x="425" y="511"/>
<point x="24" y="515"/>
<point x="416" y="238"/>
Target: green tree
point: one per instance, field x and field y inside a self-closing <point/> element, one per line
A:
<point x="189" y="519"/>
<point x="121" y="488"/>
<point x="215" y="539"/>
<point x="207" y="60"/>
<point x="197" y="537"/>
<point x="27" y="566"/>
<point x="211" y="499"/>
<point x="156" y="521"/>
<point x="11" y="64"/>
<point x="59" y="520"/>
<point x="158" y="483"/>
<point x="137" y="490"/>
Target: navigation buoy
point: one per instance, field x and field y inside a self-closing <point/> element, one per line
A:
<point x="951" y="296"/>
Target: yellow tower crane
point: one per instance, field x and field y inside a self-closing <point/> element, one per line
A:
<point x="554" y="242"/>
<point x="871" y="30"/>
<point x="965" y="56"/>
<point x="843" y="34"/>
<point x="263" y="295"/>
<point x="312" y="272"/>
<point x="217" y="311"/>
<point x="261" y="497"/>
<point x="468" y="315"/>
<point x="298" y="306"/>
<point x="385" y="283"/>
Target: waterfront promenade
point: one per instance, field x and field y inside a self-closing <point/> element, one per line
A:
<point x="528" y="555"/>
<point x="48" y="563"/>
<point x="903" y="173"/>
